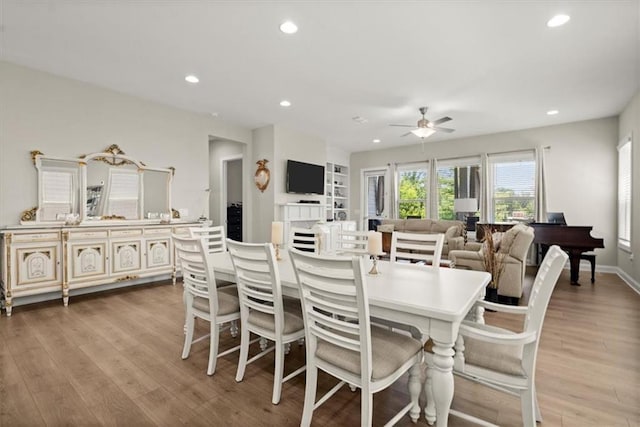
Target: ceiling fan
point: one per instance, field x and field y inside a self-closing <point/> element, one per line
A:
<point x="426" y="128"/>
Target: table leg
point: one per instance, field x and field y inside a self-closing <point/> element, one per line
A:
<point x="442" y="380"/>
<point x="430" y="408"/>
<point x="415" y="385"/>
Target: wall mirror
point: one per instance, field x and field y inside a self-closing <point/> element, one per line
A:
<point x="58" y="188"/>
<point x="101" y="186"/>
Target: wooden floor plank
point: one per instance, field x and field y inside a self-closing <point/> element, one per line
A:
<point x="114" y="359"/>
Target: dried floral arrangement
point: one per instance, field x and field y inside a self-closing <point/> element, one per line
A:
<point x="493" y="261"/>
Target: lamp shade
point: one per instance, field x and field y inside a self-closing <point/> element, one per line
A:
<point x="465" y="205"/>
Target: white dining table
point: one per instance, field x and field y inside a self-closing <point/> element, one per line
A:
<point x="433" y="301"/>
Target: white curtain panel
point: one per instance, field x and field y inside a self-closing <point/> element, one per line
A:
<point x="541" y="186"/>
<point x="393" y="198"/>
<point x="485" y="203"/>
<point x="432" y="196"/>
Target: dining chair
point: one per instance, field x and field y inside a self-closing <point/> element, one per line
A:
<point x="417" y="247"/>
<point x="214" y="242"/>
<point x="305" y="239"/>
<point x="506" y="360"/>
<point x="202" y="299"/>
<point x="263" y="310"/>
<point x="352" y="242"/>
<point x="214" y="237"/>
<point x="340" y="339"/>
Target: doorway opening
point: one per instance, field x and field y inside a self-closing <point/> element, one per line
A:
<point x="226" y="186"/>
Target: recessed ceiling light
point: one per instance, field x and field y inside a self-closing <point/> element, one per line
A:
<point x="376" y="141"/>
<point x="285" y="103"/>
<point x="192" y="79"/>
<point x="552" y="112"/>
<point x="288" y="27"/>
<point x="558" y="21"/>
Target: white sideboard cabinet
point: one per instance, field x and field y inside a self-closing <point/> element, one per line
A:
<point x="40" y="263"/>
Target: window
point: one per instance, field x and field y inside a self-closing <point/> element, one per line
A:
<point x="512" y="186"/>
<point x="412" y="190"/>
<point x="457" y="179"/>
<point x="624" y="194"/>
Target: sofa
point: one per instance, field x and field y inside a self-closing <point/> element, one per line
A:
<point x="454" y="231"/>
<point x="514" y="245"/>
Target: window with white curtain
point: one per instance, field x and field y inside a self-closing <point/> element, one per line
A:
<point x="624" y="194"/>
<point x="413" y="184"/>
<point x="458" y="178"/>
<point x="512" y="186"/>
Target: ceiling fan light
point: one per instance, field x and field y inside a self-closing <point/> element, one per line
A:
<point x="423" y="132"/>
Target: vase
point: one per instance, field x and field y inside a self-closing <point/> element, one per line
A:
<point x="491" y="294"/>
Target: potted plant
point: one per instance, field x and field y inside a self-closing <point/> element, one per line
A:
<point x="493" y="262"/>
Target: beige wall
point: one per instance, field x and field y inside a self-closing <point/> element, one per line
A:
<point x="581" y="169"/>
<point x="629" y="124"/>
<point x="278" y="144"/>
<point x="294" y="145"/>
<point x="68" y="118"/>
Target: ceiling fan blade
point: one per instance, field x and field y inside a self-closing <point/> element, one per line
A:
<point x="446" y="130"/>
<point x="405" y="134"/>
<point x="405" y="126"/>
<point x="441" y="120"/>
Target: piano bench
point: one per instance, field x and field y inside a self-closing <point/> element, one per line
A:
<point x="591" y="257"/>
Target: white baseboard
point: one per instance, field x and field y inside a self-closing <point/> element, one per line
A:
<point x="57" y="295"/>
<point x="628" y="280"/>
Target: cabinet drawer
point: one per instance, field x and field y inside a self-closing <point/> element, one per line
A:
<point x="36" y="237"/>
<point x="181" y="231"/>
<point x="157" y="231"/>
<point x="80" y="235"/>
<point x="126" y="233"/>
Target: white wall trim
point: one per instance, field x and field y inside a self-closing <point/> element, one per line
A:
<point x="223" y="187"/>
<point x="628" y="280"/>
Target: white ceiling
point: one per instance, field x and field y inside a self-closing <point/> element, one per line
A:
<point x="490" y="65"/>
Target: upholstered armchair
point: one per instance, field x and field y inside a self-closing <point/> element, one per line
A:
<point x="514" y="245"/>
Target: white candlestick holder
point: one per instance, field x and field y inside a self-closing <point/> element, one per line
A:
<point x="374" y="268"/>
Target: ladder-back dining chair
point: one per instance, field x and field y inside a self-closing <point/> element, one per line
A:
<point x="202" y="299"/>
<point x="263" y="310"/>
<point x="417" y="247"/>
<point x="215" y="240"/>
<point x="340" y="339"/>
<point x="506" y="360"/>
<point x="351" y="242"/>
<point x="305" y="239"/>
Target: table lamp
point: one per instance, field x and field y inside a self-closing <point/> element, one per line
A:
<point x="465" y="206"/>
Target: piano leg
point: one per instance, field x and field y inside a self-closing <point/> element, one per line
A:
<point x="574" y="263"/>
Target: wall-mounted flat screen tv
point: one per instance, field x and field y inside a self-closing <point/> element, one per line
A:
<point x="304" y="178"/>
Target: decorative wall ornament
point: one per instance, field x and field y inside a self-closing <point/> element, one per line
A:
<point x="29" y="214"/>
<point x="111" y="158"/>
<point x="34" y="154"/>
<point x="262" y="175"/>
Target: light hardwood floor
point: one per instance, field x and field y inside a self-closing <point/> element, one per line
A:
<point x="114" y="359"/>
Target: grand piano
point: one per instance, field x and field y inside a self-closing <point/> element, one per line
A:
<point x="575" y="240"/>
